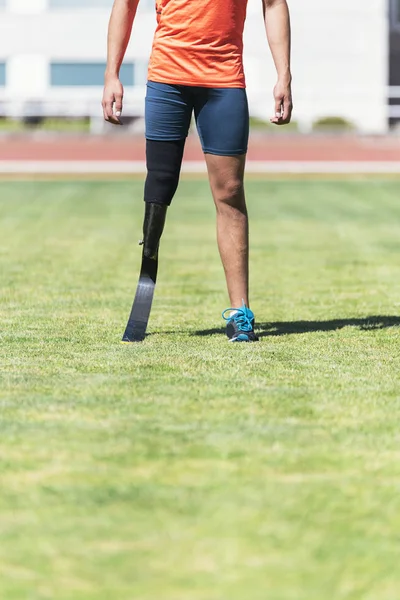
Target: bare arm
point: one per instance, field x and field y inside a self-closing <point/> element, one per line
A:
<point x="119" y="33"/>
<point x="277" y="26"/>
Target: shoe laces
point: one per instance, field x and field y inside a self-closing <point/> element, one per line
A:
<point x="240" y="317"/>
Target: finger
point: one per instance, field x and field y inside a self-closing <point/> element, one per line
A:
<point x="277" y="119"/>
<point x="117" y="110"/>
<point x="118" y="105"/>
<point x="278" y="111"/>
<point x="278" y="107"/>
<point x="105" y="113"/>
<point x="287" y="110"/>
<point x="108" y="108"/>
<point x="113" y="120"/>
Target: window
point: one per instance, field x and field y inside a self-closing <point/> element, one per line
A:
<point x="69" y="74"/>
<point x="81" y="3"/>
<point x="2" y="74"/>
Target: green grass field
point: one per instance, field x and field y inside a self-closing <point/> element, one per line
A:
<point x="187" y="468"/>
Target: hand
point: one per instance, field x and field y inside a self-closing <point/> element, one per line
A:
<point x="112" y="100"/>
<point x="283" y="103"/>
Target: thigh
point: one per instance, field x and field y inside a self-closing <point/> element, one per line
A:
<point x="168" y="110"/>
<point x="222" y="118"/>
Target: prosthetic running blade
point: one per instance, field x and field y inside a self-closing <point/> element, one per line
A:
<point x="137" y="324"/>
<point x="154" y="220"/>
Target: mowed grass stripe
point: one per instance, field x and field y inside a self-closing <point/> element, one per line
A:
<point x="186" y="467"/>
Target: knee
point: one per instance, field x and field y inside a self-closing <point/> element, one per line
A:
<point x="160" y="186"/>
<point x="229" y="192"/>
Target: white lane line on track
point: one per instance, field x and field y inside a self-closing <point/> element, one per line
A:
<point x="126" y="167"/>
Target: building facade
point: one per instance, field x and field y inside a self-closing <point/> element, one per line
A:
<point x="52" y="58"/>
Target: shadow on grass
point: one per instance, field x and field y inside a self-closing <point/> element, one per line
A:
<point x="292" y="327"/>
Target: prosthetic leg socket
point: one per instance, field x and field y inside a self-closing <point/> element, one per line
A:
<point x="153" y="227"/>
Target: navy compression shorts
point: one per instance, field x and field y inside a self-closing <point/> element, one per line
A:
<point x="222" y="116"/>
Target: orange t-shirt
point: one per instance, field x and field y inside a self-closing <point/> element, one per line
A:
<point x="199" y="43"/>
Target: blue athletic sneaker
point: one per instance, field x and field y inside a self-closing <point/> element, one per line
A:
<point x="240" y="324"/>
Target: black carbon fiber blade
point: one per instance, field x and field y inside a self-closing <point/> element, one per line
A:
<point x="137" y="324"/>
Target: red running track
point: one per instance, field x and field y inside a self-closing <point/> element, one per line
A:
<point x="279" y="147"/>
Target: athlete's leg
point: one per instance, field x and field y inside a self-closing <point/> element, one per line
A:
<point x="223" y="124"/>
<point x="167" y="123"/>
<point x="163" y="160"/>
<point x="167" y="115"/>
<point x="226" y="181"/>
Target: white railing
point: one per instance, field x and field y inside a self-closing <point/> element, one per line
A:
<point x="74" y="103"/>
<point x="73" y="108"/>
